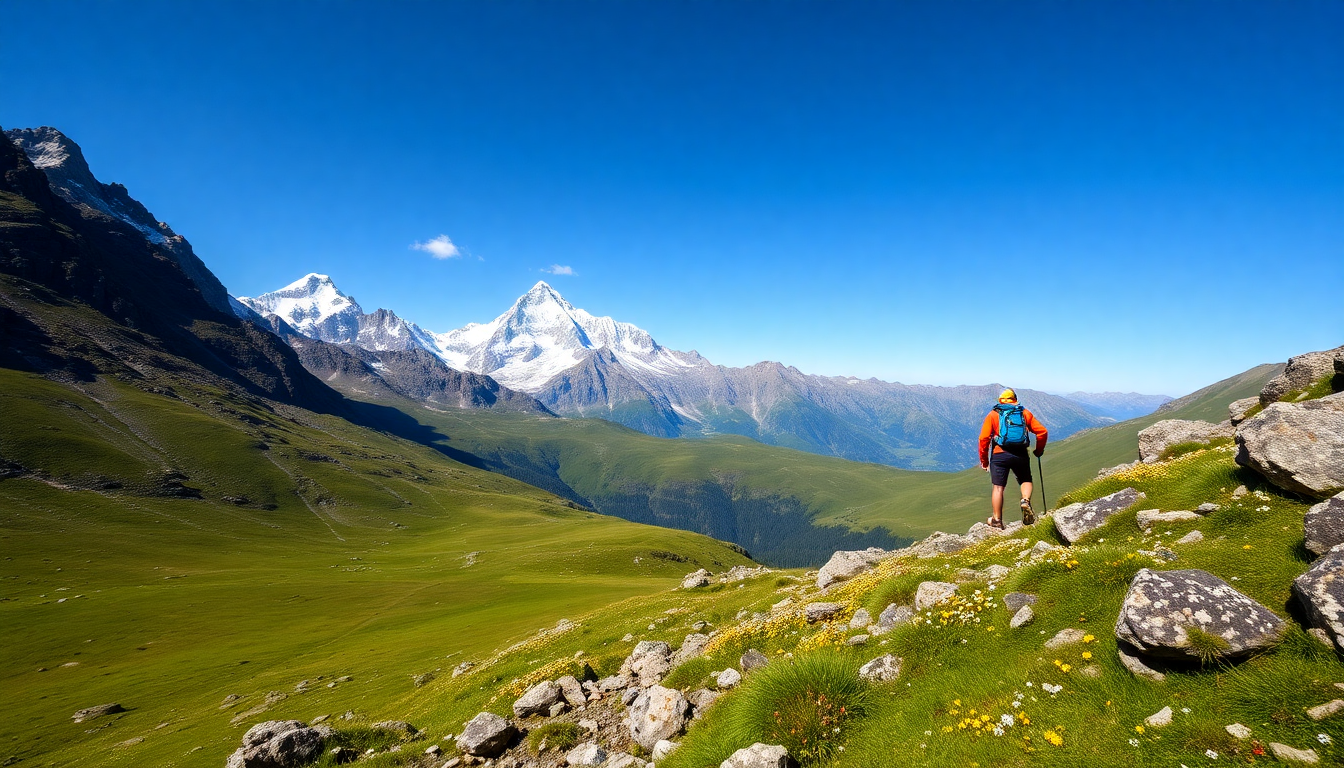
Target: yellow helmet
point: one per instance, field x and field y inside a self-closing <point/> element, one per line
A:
<point x="1008" y="396"/>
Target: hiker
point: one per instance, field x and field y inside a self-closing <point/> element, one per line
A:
<point x="1006" y="428"/>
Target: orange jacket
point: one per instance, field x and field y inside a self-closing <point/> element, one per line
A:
<point x="990" y="429"/>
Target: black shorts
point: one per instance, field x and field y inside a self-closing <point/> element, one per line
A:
<point x="1000" y="463"/>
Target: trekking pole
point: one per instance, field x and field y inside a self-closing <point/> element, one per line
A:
<point x="1044" y="503"/>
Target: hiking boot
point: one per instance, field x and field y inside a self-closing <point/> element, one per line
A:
<point x="993" y="523"/>
<point x="1028" y="515"/>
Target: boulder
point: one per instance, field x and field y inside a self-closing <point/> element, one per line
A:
<point x="486" y="735"/>
<point x="894" y="616"/>
<point x="101" y="710"/>
<point x="648" y="662"/>
<point x="587" y="753"/>
<point x="1323" y="525"/>
<point x="702" y="700"/>
<point x="1022" y="618"/>
<point x="728" y="678"/>
<point x="882" y="669"/>
<point x="860" y="619"/>
<point x="1066" y="636"/>
<point x="1321" y="592"/>
<point x="625" y="760"/>
<point x="931" y="593"/>
<point x="280" y="744"/>
<point x="1129" y="659"/>
<point x="1286" y="754"/>
<point x="1322" y="711"/>
<point x="1236" y="410"/>
<point x="698" y="579"/>
<point x="572" y="691"/>
<point x="538" y="700"/>
<point x="1297" y="446"/>
<point x="1159" y="719"/>
<point x="1014" y="601"/>
<point x="657" y="713"/>
<point x="1149" y="517"/>
<point x="1161" y="606"/>
<point x="752" y="659"/>
<point x="939" y="543"/>
<point x="1238" y="731"/>
<point x="846" y="565"/>
<point x="1193" y="537"/>
<point x="759" y="755"/>
<point x="1302" y="371"/>
<point x="1164" y="434"/>
<point x="1077" y="520"/>
<point x="982" y="532"/>
<point x="691" y="648"/>
<point x="821" y="611"/>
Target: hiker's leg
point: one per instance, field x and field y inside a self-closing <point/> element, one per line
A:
<point x="1026" y="490"/>
<point x="996" y="499"/>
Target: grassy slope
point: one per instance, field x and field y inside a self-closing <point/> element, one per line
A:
<point x="354" y="566"/>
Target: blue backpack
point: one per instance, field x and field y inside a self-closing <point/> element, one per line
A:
<point x="1012" y="426"/>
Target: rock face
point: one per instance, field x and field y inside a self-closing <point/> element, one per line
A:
<point x="279" y="744"/>
<point x="1323" y="526"/>
<point x="1321" y="593"/>
<point x="881" y="670"/>
<point x="1297" y="446"/>
<point x="931" y="593"/>
<point x="1161" y="606"/>
<point x="1077" y="520"/>
<point x="648" y="662"/>
<point x="657" y="713"/>
<point x="846" y="565"/>
<point x="759" y="756"/>
<point x="1164" y="434"/>
<point x="1236" y="411"/>
<point x="486" y="735"/>
<point x="1302" y="372"/>
<point x="539" y="699"/>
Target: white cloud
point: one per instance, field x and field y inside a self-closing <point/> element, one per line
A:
<point x="440" y="248"/>
<point x="558" y="269"/>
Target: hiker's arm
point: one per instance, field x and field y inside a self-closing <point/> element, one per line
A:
<point x="1038" y="429"/>
<point x="986" y="437"/>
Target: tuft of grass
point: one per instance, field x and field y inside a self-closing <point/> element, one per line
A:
<point x="1181" y="449"/>
<point x="561" y="737"/>
<point x="1206" y="645"/>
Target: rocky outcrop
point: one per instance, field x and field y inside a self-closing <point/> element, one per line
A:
<point x="1164" y="434"/>
<point x="280" y="744"/>
<point x="695" y="580"/>
<point x="1301" y="373"/>
<point x="648" y="662"/>
<point x="1323" y="525"/>
<point x="846" y="565"/>
<point x="1297" y="446"/>
<point x="1163" y="607"/>
<point x="1237" y="409"/>
<point x="759" y="756"/>
<point x="657" y="713"/>
<point x="1321" y="593"/>
<point x="486" y="735"/>
<point x="1077" y="520"/>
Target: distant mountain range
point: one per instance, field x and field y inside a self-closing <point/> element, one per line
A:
<point x="577" y="364"/>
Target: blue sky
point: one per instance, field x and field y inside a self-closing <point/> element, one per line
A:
<point x="1059" y="195"/>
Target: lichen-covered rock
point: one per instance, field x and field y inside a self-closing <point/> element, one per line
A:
<point x="1161" y="607"/>
<point x="1149" y="517"/>
<point x="1297" y="446"/>
<point x="894" y="616"/>
<point x="1164" y="434"/>
<point x="752" y="659"/>
<point x="1302" y="371"/>
<point x="694" y="580"/>
<point x="846" y="565"/>
<point x="821" y="611"/>
<point x="728" y="678"/>
<point x="860" y="619"/>
<point x="486" y="735"/>
<point x="1066" y="636"/>
<point x="1323" y="525"/>
<point x="1321" y="592"/>
<point x="931" y="593"/>
<point x="538" y="700"/>
<point x="1077" y="520"/>
<point x="939" y="543"/>
<point x="657" y="713"/>
<point x="279" y="744"/>
<point x="1286" y="754"/>
<point x="759" y="755"/>
<point x="882" y="669"/>
<point x="1022" y="617"/>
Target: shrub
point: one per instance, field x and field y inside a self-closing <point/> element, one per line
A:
<point x="809" y="706"/>
<point x="558" y="736"/>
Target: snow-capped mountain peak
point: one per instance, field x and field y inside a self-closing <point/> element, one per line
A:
<point x="313" y="306"/>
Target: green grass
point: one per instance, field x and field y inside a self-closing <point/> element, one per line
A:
<point x="560" y="737"/>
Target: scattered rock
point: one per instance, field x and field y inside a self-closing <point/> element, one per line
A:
<point x="1148" y="517"/>
<point x="846" y="565"/>
<point x="996" y="572"/>
<point x="759" y="755"/>
<point x="982" y="532"/>
<point x="1077" y="520"/>
<point x="1236" y="410"/>
<point x="1288" y="754"/>
<point x="1297" y="446"/>
<point x="931" y="593"/>
<point x="691" y="648"/>
<point x="1323" y="525"/>
<point x="1014" y="601"/>
<point x="939" y="543"/>
<point x="539" y="699"/>
<point x="861" y="619"/>
<point x="279" y="744"/>
<point x="1164" y="434"/>
<point x="422" y="680"/>
<point x="702" y="700"/>
<point x="230" y="700"/>
<point x="588" y="726"/>
<point x="101" y="710"/>
<point x="1161" y="606"/>
<point x="1091" y="670"/>
<point x="821" y="611"/>
<point x="572" y="691"/>
<point x="613" y="683"/>
<point x="1239" y="492"/>
<point x="1022" y="618"/>
<point x="1067" y="636"/>
<point x="1207" y="508"/>
<point x="623" y="760"/>
<point x="1238" y="731"/>
<point x="752" y="659"/>
<point x="1325" y="710"/>
<point x="1158" y="719"/>
<point x="894" y="616"/>
<point x="486" y="735"/>
<point x="882" y="669"/>
<point x="588" y="753"/>
<point x="663" y="749"/>
<point x="1301" y="372"/>
<point x="698" y="579"/>
<point x="728" y="678"/>
<point x="1130" y="660"/>
<point x="657" y="713"/>
<point x="1321" y="592"/>
<point x="648" y="662"/>
<point x="857" y="640"/>
<point x="396" y="726"/>
<point x="1193" y="537"/>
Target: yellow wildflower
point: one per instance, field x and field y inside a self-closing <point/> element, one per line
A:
<point x="1087" y="655"/>
<point x="1054" y="738"/>
<point x="1138" y="729"/>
